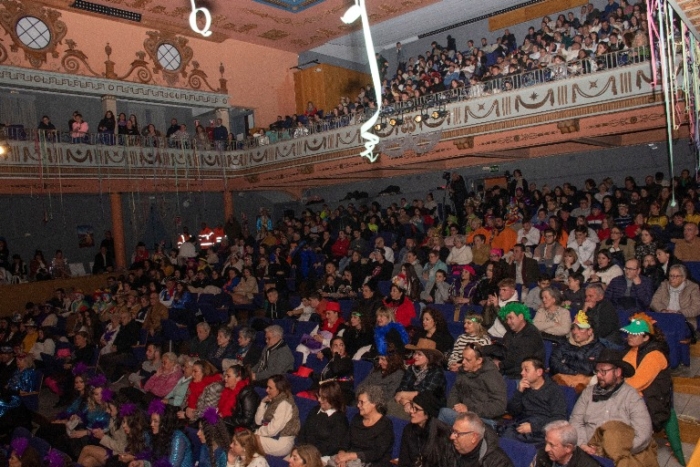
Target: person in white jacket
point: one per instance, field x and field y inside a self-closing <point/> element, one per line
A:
<point x="460" y="254"/>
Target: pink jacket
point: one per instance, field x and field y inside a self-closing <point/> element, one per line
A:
<point x="161" y="384"/>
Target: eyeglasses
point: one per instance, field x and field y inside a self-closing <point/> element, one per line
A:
<point x="457" y="434"/>
<point x="630" y="269"/>
<point x="603" y="372"/>
<point x="414" y="408"/>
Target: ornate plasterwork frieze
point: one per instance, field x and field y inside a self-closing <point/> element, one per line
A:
<point x="58" y="82"/>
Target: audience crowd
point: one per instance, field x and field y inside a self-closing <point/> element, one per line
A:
<point x="358" y="335"/>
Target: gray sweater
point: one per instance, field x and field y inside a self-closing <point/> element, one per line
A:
<point x="388" y="384"/>
<point x="625" y="405"/>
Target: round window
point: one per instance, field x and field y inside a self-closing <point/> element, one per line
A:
<point x="33" y="32"/>
<point x="169" y="57"/>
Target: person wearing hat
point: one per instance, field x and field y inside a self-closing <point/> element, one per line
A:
<point x="623" y="218"/>
<point x="611" y="418"/>
<point x="573" y="361"/>
<point x="425" y="374"/>
<point x="595" y="218"/>
<point x="426" y="440"/>
<point x="521" y="340"/>
<point x="320" y="338"/>
<point x="648" y="354"/>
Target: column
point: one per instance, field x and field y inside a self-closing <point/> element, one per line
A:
<point x="109" y="103"/>
<point x="228" y="205"/>
<point x="115" y="200"/>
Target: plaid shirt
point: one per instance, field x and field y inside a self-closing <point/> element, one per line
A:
<point x="434" y="382"/>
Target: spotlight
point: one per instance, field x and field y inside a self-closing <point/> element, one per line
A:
<point x="379" y="126"/>
<point x="396" y="121"/>
<point x="421" y="117"/>
<point x="438" y="114"/>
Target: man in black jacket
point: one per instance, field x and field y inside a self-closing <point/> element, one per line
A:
<point x="522" y="340"/>
<point x="602" y="316"/>
<point x="476" y="445"/>
<point x="561" y="448"/>
<point x="127" y="336"/>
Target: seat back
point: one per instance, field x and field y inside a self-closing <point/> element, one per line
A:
<point x="361" y="370"/>
<point x="521" y="454"/>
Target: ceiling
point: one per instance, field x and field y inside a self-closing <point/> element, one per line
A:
<point x="303" y="25"/>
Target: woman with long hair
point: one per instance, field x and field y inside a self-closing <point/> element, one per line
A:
<point x="168" y="441"/>
<point x="305" y="455"/>
<point x="646" y="244"/>
<point x="569" y="265"/>
<point x="388" y="331"/>
<point x="553" y="321"/>
<point x="434" y="329"/>
<point x="278" y="418"/>
<point x="326" y="427"/>
<point x="320" y="337"/>
<point x="426" y="440"/>
<point x="239" y="401"/>
<point x="425" y="374"/>
<point x="605" y="268"/>
<point x="358" y="335"/>
<point x="413" y="283"/>
<point x="246" y="451"/>
<point x="203" y="374"/>
<point x="246" y="288"/>
<point x="464" y="288"/>
<point x="474" y="333"/>
<point x="213" y="434"/>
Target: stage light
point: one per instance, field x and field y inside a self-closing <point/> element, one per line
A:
<point x="396" y="121"/>
<point x="439" y="114"/>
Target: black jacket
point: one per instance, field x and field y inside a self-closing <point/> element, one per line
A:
<point x="486" y="454"/>
<point x="658" y="395"/>
<point x="526" y="343"/>
<point x="127" y="337"/>
<point x="247" y="402"/>
<point x="578" y="459"/>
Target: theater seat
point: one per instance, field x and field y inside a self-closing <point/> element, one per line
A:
<point x="521" y="454"/>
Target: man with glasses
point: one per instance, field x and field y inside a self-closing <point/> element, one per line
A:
<point x="476" y="444"/>
<point x="611" y="418"/>
<point x="678" y="295"/>
<point x="561" y="448"/>
<point x="631" y="290"/>
<point x="549" y="253"/>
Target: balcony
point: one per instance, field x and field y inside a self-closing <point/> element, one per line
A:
<point x="541" y="112"/>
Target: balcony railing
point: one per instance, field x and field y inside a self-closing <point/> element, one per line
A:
<point x="594" y="82"/>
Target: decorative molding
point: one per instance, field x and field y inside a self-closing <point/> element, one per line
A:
<point x="58" y="82"/>
<point x="13" y="11"/>
<point x="156" y="39"/>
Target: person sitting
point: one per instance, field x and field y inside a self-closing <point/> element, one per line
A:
<point x="276" y="357"/>
<point x="248" y="352"/>
<point x="203" y="343"/>
<point x="439" y="292"/>
<point x="476" y="445"/>
<point x="553" y="321"/>
<point x="474" y="333"/>
<point x="22" y="454"/>
<point x="425" y="374"/>
<point x="611" y="418"/>
<point x="159" y="385"/>
<point x="573" y="361"/>
<point x="538" y="401"/>
<point x="688" y="247"/>
<point x="522" y="340"/>
<point x="602" y="316"/>
<point x="604" y="270"/>
<point x="246" y="450"/>
<point x="359" y="335"/>
<point x="388" y="332"/>
<point x="126" y="338"/>
<point x="561" y="447"/>
<point x="387" y="374"/>
<point x="167" y="440"/>
<point x="371" y="433"/>
<point x="460" y="254"/>
<point x="13" y="412"/>
<point x="225" y="348"/>
<point x="326" y="427"/>
<point x="574" y="296"/>
<point x="631" y="291"/>
<point x="479" y="388"/>
<point x="239" y="401"/>
<point x="426" y="440"/>
<point x="320" y="337"/>
<point x="215" y="440"/>
<point x="648" y="354"/>
<point x="522" y="269"/>
<point x="398" y="301"/>
<point x="435" y="329"/>
<point x="277" y="418"/>
<point x="533" y="300"/>
<point x="569" y="266"/>
<point x="548" y="254"/>
<point x="678" y="294"/>
<point x="506" y="294"/>
<point x="203" y="375"/>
